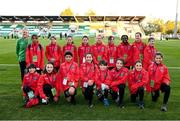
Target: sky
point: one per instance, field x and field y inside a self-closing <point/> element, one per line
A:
<point x="165" y="9"/>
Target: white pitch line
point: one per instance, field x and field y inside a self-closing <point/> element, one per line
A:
<point x="9" y="65"/>
<point x="173" y="67"/>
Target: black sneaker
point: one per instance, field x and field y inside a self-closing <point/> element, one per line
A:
<point x="73" y="101"/>
<point x="154" y="98"/>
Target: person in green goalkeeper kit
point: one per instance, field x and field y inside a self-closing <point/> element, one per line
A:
<point x="21" y="51"/>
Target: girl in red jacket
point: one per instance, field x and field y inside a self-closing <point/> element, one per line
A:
<point x="126" y="52"/>
<point x="119" y="76"/>
<point x="149" y="53"/>
<point x="159" y="79"/>
<point x="139" y="44"/>
<point x="69" y="77"/>
<point x="35" y="54"/>
<point x="137" y="80"/>
<point x="29" y="86"/>
<point x="83" y="49"/>
<point x="70" y="47"/>
<point x="53" y="53"/>
<point x="111" y="53"/>
<point x="88" y="76"/>
<point x="99" y="50"/>
<point x="48" y="85"/>
<point x="103" y="82"/>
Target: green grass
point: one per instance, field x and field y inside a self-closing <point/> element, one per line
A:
<point x="11" y="94"/>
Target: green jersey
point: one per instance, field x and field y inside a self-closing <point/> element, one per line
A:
<point x="21" y="48"/>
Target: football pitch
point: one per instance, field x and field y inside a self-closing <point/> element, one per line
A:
<point x="11" y="102"/>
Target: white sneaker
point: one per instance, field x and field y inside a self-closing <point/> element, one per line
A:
<point x="117" y="100"/>
<point x="44" y="101"/>
<point x="164" y="108"/>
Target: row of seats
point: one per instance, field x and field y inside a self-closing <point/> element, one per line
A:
<point x="129" y="29"/>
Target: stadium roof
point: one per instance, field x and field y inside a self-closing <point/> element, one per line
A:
<point x="72" y="18"/>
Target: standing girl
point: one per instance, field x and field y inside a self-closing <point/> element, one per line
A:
<point x="53" y="53"/>
<point x="71" y="48"/>
<point x="84" y="49"/>
<point x="138" y="42"/>
<point x="111" y="53"/>
<point x="149" y="53"/>
<point x="99" y="50"/>
<point x="21" y="51"/>
<point x="124" y="51"/>
<point x="35" y="54"/>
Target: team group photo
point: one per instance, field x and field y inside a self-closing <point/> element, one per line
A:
<point x="90" y="64"/>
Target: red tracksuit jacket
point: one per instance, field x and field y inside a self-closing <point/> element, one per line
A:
<point x="125" y="52"/>
<point x="103" y="77"/>
<point x="118" y="77"/>
<point x="35" y="55"/>
<point x="70" y="71"/>
<point x="137" y="79"/>
<point x="159" y="74"/>
<point x="135" y="54"/>
<point x="72" y="48"/>
<point x="54" y="51"/>
<point x="141" y="46"/>
<point x="111" y="55"/>
<point x="100" y="52"/>
<point x="82" y="50"/>
<point x="50" y="79"/>
<point x="149" y="54"/>
<point x="88" y="71"/>
<point x="31" y="80"/>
